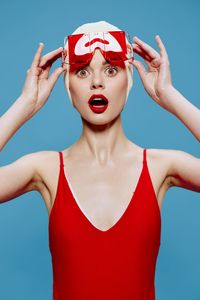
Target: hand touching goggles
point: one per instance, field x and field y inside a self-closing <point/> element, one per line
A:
<point x="112" y="44"/>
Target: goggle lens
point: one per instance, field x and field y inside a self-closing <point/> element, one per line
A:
<point x="112" y="44"/>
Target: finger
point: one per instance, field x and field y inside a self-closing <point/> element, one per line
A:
<point x="151" y="52"/>
<point x="161" y="46"/>
<point x="148" y="64"/>
<point x="45" y="72"/>
<point x="64" y="52"/>
<point x="34" y="71"/>
<point x="155" y="63"/>
<point x="64" y="55"/>
<point x="140" y="68"/>
<point x="54" y="76"/>
<point x="51" y="56"/>
<point x="137" y="49"/>
<point x="152" y="66"/>
<point x="36" y="58"/>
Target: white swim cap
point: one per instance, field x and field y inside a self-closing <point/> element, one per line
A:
<point x="99" y="27"/>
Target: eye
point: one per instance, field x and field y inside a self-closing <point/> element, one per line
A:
<point x="112" y="70"/>
<point x="81" y="72"/>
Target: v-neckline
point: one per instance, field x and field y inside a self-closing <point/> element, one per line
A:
<point x="117" y="223"/>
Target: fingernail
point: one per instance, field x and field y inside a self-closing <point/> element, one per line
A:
<point x="41" y="44"/>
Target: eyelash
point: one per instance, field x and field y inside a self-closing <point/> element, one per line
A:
<point x="111" y="67"/>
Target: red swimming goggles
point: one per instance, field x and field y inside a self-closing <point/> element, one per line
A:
<point x="112" y="44"/>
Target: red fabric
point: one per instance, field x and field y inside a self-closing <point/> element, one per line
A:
<point x="112" y="45"/>
<point x="117" y="264"/>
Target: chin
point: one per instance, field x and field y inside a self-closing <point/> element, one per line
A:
<point x="100" y="119"/>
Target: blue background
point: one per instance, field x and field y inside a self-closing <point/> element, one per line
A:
<point x="25" y="262"/>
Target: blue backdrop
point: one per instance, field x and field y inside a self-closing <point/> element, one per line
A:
<point x="25" y="262"/>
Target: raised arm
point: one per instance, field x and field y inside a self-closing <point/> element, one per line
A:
<point x="35" y="93"/>
<point x="22" y="176"/>
<point x="158" y="84"/>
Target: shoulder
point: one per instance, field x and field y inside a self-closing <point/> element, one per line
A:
<point x="162" y="155"/>
<point x="43" y="163"/>
<point x="47" y="166"/>
<point x="42" y="157"/>
<point x="161" y="161"/>
<point x="180" y="165"/>
<point x="45" y="160"/>
<point x="171" y="156"/>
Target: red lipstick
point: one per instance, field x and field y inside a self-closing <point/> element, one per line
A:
<point x="98" y="103"/>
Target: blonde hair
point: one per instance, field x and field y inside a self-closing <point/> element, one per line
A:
<point x="98" y="27"/>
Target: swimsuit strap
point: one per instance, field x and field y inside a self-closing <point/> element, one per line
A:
<point x="144" y="156"/>
<point x="61" y="159"/>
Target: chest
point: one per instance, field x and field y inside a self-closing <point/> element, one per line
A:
<point x="103" y="193"/>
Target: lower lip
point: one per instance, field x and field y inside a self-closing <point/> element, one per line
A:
<point x="97" y="109"/>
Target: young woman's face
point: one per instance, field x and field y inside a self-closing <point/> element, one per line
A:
<point x="98" y="78"/>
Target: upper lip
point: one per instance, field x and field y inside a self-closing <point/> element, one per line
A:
<point x="97" y="96"/>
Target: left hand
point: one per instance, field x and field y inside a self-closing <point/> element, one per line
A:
<point x="157" y="80"/>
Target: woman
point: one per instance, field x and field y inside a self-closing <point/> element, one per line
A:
<point x="104" y="193"/>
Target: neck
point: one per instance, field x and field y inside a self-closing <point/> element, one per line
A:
<point x="103" y="144"/>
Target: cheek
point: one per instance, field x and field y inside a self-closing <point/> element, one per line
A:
<point x="74" y="87"/>
<point x="119" y="85"/>
<point x="78" y="90"/>
<point x="124" y="81"/>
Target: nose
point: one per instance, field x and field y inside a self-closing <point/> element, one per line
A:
<point x="97" y="82"/>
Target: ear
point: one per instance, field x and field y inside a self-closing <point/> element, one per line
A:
<point x="64" y="52"/>
<point x="129" y="49"/>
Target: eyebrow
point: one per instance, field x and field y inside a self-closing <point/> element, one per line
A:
<point x="105" y="62"/>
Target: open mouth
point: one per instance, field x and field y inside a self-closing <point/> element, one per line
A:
<point x="98" y="102"/>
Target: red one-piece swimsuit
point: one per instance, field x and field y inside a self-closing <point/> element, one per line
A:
<point x="116" y="264"/>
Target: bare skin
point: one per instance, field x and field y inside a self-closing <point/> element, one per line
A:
<point x="116" y="186"/>
<point x="105" y="151"/>
<point x="103" y="159"/>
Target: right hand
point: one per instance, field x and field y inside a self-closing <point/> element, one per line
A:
<point x="38" y="86"/>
